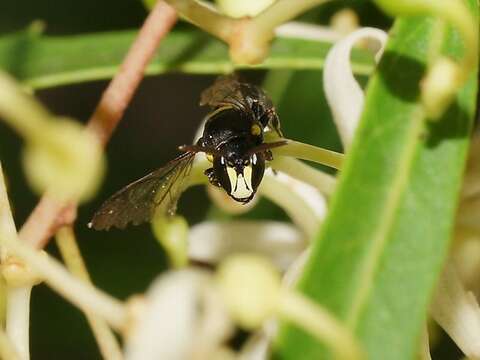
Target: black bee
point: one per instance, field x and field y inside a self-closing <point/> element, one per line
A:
<point x="233" y="142"/>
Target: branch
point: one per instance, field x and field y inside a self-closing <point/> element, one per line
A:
<point x="248" y="38"/>
<point x="49" y="214"/>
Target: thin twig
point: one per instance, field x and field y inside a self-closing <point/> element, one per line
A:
<point x="18" y="299"/>
<point x="47" y="217"/>
<point x="84" y="296"/>
<point x="17" y="322"/>
<point x="120" y="91"/>
<point x="106" y="340"/>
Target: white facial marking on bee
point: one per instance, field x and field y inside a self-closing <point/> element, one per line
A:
<point x="240" y="184"/>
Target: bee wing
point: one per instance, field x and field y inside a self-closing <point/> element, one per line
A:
<point x="136" y="203"/>
<point x="225" y="91"/>
<point x="229" y="91"/>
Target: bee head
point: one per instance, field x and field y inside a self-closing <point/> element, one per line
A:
<point x="238" y="174"/>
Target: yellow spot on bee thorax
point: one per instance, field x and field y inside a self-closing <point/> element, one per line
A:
<point x="256" y="130"/>
<point x="209" y="157"/>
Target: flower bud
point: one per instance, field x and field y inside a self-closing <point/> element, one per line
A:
<point x="439" y="87"/>
<point x="172" y="233"/>
<point x="250" y="286"/>
<point x="65" y="158"/>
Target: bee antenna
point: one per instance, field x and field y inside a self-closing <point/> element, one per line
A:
<point x="267" y="146"/>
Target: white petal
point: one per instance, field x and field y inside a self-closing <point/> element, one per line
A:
<point x="299" y="30"/>
<point x="471" y="182"/>
<point x="294" y="271"/>
<point x="199" y="132"/>
<point x="212" y="241"/>
<point x="456" y="310"/>
<point x="344" y="95"/>
<point x="173" y="324"/>
<point x="424" y="352"/>
<point x="466" y="255"/>
<point x="257" y="347"/>
<point x="294" y="203"/>
<point x="308" y="193"/>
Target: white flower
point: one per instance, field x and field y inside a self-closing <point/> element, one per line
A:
<point x="344" y="94"/>
<point x="183" y="316"/>
<point x="212" y="241"/>
<point x="456" y="310"/>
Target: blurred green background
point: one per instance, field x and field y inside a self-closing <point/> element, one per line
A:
<point x="163" y="114"/>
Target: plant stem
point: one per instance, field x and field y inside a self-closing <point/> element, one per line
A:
<point x="18" y="299"/>
<point x="18" y="319"/>
<point x="20" y="110"/>
<point x="205" y="17"/>
<point x="7" y="225"/>
<point x="280" y="12"/>
<point x="105" y="338"/>
<point x="7" y="350"/>
<point x="84" y="296"/>
<point x="310" y="153"/>
<point x="250" y="41"/>
<point x="43" y="221"/>
<point x="119" y="92"/>
<point x="248" y="38"/>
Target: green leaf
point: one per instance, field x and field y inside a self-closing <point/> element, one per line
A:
<point x="377" y="257"/>
<point x="41" y="61"/>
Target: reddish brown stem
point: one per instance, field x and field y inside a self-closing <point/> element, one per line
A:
<point x="122" y="87"/>
<point x="43" y="222"/>
<point x="49" y="215"/>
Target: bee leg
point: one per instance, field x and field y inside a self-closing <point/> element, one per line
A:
<point x="274" y="122"/>
<point x="268" y="155"/>
<point x="212" y="178"/>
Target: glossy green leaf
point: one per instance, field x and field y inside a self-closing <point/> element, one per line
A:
<point x="42" y="61"/>
<point x="376" y="259"/>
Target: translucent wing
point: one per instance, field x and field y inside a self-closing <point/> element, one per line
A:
<point x="229" y="91"/>
<point x="225" y="91"/>
<point x="136" y="203"/>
